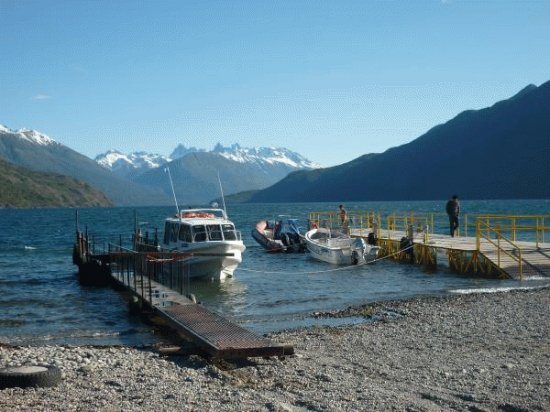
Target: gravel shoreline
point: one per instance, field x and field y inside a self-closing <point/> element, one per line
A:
<point x="478" y="352"/>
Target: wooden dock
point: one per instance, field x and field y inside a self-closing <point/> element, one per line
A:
<point x="214" y="335"/>
<point x="515" y="260"/>
<point x="495" y="245"/>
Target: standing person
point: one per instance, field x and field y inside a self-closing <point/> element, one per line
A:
<point x="453" y="209"/>
<point x="344" y="220"/>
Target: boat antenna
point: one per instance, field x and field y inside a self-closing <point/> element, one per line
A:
<point x="221" y="191"/>
<point x="167" y="169"/>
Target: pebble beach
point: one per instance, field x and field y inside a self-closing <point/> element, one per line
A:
<point x="473" y="352"/>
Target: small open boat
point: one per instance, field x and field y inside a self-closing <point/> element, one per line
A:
<point x="338" y="248"/>
<point x="282" y="235"/>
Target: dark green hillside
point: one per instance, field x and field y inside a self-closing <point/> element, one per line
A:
<point x="59" y="159"/>
<point x="20" y="187"/>
<point x="500" y="152"/>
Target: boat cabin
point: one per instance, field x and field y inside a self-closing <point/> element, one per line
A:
<point x="195" y="227"/>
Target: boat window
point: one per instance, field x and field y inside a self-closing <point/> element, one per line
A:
<point x="229" y="232"/>
<point x="199" y="233"/>
<point x="174" y="232"/>
<point x="185" y="233"/>
<point x="167" y="232"/>
<point x="214" y="232"/>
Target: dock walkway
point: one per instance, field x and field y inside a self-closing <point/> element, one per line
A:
<point x="535" y="257"/>
<point x="215" y="335"/>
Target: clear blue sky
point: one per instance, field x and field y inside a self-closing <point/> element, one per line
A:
<point x="331" y="80"/>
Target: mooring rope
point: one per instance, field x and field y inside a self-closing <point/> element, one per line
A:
<point x="331" y="270"/>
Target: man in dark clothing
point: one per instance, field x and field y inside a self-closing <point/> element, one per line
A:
<point x="453" y="209"/>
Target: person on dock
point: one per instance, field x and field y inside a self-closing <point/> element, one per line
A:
<point x="453" y="209"/>
<point x="344" y="219"/>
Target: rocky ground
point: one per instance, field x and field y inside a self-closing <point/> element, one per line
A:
<point x="488" y="352"/>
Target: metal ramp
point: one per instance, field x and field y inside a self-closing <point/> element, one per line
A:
<point x="213" y="334"/>
<point x="535" y="260"/>
<point x="218" y="336"/>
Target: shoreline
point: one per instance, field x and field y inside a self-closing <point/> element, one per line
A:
<point x="484" y="352"/>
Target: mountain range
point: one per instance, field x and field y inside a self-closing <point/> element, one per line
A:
<point x="195" y="171"/>
<point x="499" y="152"/>
<point x="136" y="163"/>
<point x="139" y="178"/>
<point x="39" y="153"/>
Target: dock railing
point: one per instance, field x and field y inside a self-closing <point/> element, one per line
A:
<point x="532" y="228"/>
<point x="500" y="244"/>
<point x="506" y="232"/>
<point x="365" y="222"/>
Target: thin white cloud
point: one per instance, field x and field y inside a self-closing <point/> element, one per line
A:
<point x="41" y="97"/>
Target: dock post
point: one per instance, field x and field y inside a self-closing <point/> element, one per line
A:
<point x="426" y="228"/>
<point x="410" y="236"/>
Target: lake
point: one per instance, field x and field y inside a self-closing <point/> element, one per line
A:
<point x="42" y="301"/>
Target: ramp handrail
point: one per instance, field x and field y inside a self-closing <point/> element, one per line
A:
<point x="531" y="227"/>
<point x="484" y="231"/>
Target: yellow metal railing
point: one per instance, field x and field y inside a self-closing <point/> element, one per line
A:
<point x="530" y="228"/>
<point x="363" y="221"/>
<point x="356" y="220"/>
<point x="533" y="228"/>
<point x="484" y="231"/>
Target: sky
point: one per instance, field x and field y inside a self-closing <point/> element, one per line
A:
<point x="331" y="80"/>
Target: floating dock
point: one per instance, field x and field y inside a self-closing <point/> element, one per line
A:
<point x="505" y="246"/>
<point x="134" y="271"/>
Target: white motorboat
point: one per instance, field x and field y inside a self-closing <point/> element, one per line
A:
<point x="339" y="248"/>
<point x="216" y="245"/>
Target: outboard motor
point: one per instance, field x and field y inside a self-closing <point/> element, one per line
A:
<point x="371" y="239"/>
<point x="354" y="257"/>
<point x="358" y="250"/>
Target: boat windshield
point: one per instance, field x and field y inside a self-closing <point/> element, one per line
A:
<point x="170" y="232"/>
<point x="229" y="232"/>
<point x="174" y="231"/>
<point x="199" y="233"/>
<point x="185" y="234"/>
<point x="214" y="232"/>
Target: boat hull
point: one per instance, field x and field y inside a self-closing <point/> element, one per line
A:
<point x="268" y="244"/>
<point x="216" y="262"/>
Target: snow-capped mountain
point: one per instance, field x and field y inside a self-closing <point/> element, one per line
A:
<point x="130" y="164"/>
<point x="29" y="135"/>
<point x="268" y="155"/>
<point x="134" y="164"/>
<point x="181" y="151"/>
<point x="195" y="171"/>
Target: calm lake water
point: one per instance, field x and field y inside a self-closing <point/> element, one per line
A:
<point x="42" y="302"/>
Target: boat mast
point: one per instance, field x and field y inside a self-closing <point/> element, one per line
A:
<point x="221" y="191"/>
<point x="167" y="169"/>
